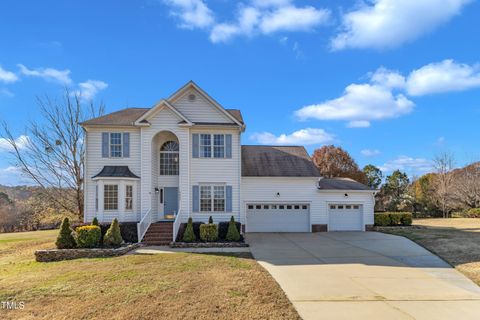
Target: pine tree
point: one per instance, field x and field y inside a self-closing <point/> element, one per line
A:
<point x="232" y="233"/>
<point x="113" y="237"/>
<point x="189" y="235"/>
<point x="65" y="239"/>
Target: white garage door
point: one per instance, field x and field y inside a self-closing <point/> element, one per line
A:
<point x="278" y="217"/>
<point x="345" y="217"/>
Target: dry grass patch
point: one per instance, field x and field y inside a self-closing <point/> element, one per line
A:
<point x="456" y="240"/>
<point x="169" y="286"/>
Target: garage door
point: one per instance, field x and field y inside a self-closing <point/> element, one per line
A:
<point x="345" y="217"/>
<point x="278" y="217"/>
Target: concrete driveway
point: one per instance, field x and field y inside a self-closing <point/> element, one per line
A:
<point x="364" y="275"/>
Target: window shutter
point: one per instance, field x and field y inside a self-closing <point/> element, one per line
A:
<point x="195" y="199"/>
<point x="228" y="146"/>
<point x="195" y="145"/>
<point x="104" y="144"/>
<point x="126" y="144"/>
<point x="228" y="200"/>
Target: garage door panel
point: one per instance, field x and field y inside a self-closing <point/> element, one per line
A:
<point x="278" y="218"/>
<point x="345" y="217"/>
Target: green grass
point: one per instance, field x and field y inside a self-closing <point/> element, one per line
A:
<point x="179" y="285"/>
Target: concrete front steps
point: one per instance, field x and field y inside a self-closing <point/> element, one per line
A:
<point x="159" y="234"/>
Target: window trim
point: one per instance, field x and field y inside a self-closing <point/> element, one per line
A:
<point x="104" y="197"/>
<point x="129" y="197"/>
<point x="212" y="145"/>
<point x="212" y="197"/>
<point x="110" y="145"/>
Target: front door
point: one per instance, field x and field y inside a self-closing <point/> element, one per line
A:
<point x="170" y="201"/>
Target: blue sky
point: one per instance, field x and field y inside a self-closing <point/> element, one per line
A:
<point x="393" y="82"/>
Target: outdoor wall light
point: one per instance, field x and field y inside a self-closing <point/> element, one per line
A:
<point x="278" y="194"/>
<point x="157" y="191"/>
<point x="346" y="195"/>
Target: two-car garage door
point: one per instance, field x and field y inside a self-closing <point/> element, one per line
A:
<point x="278" y="217"/>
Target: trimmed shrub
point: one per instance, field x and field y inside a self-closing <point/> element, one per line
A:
<point x="393" y="219"/>
<point x="232" y="233"/>
<point x="381" y="219"/>
<point x="189" y="235"/>
<point x="95" y="222"/>
<point x="113" y="237"/>
<point x="210" y="220"/>
<point x="209" y="232"/>
<point x="406" y="219"/>
<point x="88" y="236"/>
<point x="65" y="239"/>
<point x="128" y="230"/>
<point x="223" y="229"/>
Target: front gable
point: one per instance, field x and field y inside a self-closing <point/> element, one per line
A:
<point x="147" y="117"/>
<point x="199" y="107"/>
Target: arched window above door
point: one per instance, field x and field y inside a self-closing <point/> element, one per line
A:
<point x="169" y="157"/>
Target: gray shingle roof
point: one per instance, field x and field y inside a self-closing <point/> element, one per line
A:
<point x="115" y="172"/>
<point x="127" y="117"/>
<point x="341" y="184"/>
<point x="277" y="161"/>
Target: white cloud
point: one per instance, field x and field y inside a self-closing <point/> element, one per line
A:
<point x="306" y="136"/>
<point x="359" y="104"/>
<point x="22" y="142"/>
<point x="7" y="76"/>
<point x="387" y="78"/>
<point x="412" y="166"/>
<point x="48" y="74"/>
<point x="292" y="18"/>
<point x="192" y="13"/>
<point x="248" y="19"/>
<point x="443" y="76"/>
<point x="390" y="23"/>
<point x="270" y="3"/>
<point x="89" y="89"/>
<point x="358" y="124"/>
<point x="12" y="176"/>
<point x="370" y="152"/>
<point x="7" y="93"/>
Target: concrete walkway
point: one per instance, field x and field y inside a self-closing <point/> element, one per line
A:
<point x="364" y="275"/>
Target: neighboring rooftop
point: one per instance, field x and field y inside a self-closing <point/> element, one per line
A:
<point x="341" y="184"/>
<point x="115" y="172"/>
<point x="277" y="161"/>
<point x="127" y="117"/>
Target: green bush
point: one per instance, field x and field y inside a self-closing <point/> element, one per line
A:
<point x="113" y="237"/>
<point x="65" y="239"/>
<point x="406" y="219"/>
<point x="473" y="213"/>
<point x="232" y="233"/>
<point x="88" y="236"/>
<point x="209" y="232"/>
<point x="189" y="235"/>
<point x="383" y="219"/>
<point x="210" y="220"/>
<point x="95" y="222"/>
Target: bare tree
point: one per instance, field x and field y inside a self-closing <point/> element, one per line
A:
<point x="466" y="186"/>
<point x="443" y="164"/>
<point x="52" y="153"/>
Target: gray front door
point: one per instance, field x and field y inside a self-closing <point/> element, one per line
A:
<point x="171" y="201"/>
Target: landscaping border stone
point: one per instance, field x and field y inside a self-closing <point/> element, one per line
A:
<point x="208" y="245"/>
<point x="387" y="228"/>
<point x="50" y="255"/>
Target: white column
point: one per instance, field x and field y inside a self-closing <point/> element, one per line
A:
<point x="100" y="200"/>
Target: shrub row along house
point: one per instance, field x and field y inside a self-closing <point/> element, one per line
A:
<point x="183" y="158"/>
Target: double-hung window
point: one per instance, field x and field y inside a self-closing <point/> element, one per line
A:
<point x="116" y="145"/>
<point x="110" y="197"/>
<point x="212" y="146"/>
<point x="212" y="198"/>
<point x="128" y="197"/>
<point x="205" y="146"/>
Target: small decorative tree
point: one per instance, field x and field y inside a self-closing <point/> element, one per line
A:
<point x="113" y="237"/>
<point x="65" y="239"/>
<point x="232" y="233"/>
<point x="189" y="235"/>
<point x="210" y="220"/>
<point x="95" y="222"/>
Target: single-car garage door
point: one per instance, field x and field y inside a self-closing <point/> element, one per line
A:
<point x="345" y="217"/>
<point x="278" y="217"/>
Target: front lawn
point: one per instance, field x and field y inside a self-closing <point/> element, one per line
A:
<point x="162" y="286"/>
<point x="456" y="240"/>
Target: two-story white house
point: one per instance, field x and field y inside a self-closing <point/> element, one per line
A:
<point x="183" y="158"/>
